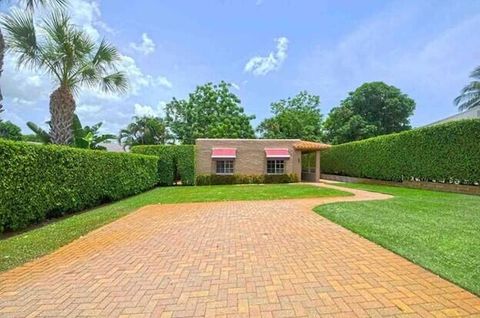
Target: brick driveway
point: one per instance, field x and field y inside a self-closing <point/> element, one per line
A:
<point x="257" y="258"/>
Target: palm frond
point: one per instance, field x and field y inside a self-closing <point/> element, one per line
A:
<point x="469" y="96"/>
<point x="115" y="82"/>
<point x="21" y="37"/>
<point x="33" y="4"/>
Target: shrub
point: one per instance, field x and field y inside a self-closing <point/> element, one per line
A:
<point x="176" y="162"/>
<point x="41" y="181"/>
<point x="444" y="153"/>
<point x="214" y="179"/>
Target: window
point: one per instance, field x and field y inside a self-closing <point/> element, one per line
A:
<point x="224" y="167"/>
<point x="275" y="166"/>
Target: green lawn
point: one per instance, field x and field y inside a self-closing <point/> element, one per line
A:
<point x="31" y="244"/>
<point x="439" y="231"/>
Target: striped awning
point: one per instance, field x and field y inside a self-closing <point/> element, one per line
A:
<point x="219" y="153"/>
<point x="277" y="153"/>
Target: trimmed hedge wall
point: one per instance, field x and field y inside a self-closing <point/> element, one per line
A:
<point x="176" y="162"/>
<point x="38" y="182"/>
<point x="213" y="179"/>
<point x="443" y="153"/>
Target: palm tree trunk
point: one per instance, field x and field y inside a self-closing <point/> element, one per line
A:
<point x="2" y="55"/>
<point x="62" y="109"/>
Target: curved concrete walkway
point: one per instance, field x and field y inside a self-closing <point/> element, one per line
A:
<point x="238" y="259"/>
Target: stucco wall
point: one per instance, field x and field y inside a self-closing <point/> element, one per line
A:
<point x="250" y="159"/>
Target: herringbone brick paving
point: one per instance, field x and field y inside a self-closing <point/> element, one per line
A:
<point x="235" y="259"/>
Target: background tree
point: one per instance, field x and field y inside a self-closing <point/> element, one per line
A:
<point x="373" y="109"/>
<point x="470" y="95"/>
<point x="8" y="130"/>
<point x="212" y="111"/>
<point x="297" y="117"/>
<point x="87" y="137"/>
<point x="144" y="131"/>
<point x="69" y="56"/>
<point x="30" y="5"/>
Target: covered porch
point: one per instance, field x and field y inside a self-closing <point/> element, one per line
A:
<point x="310" y="159"/>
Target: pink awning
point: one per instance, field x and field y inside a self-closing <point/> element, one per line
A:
<point x="224" y="153"/>
<point x="277" y="153"/>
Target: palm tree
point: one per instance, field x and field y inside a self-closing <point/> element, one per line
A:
<point x="71" y="58"/>
<point x="470" y="94"/>
<point x="87" y="137"/>
<point x="30" y="5"/>
<point x="144" y="131"/>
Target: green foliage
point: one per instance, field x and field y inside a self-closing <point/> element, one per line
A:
<point x="298" y="117"/>
<point x="373" y="109"/>
<point x="9" y="130"/>
<point x="42" y="181"/>
<point x="212" y="111"/>
<point x="144" y="131"/>
<point x="86" y="137"/>
<point x="214" y="179"/>
<point x="443" y="153"/>
<point x="470" y="95"/>
<point x="176" y="162"/>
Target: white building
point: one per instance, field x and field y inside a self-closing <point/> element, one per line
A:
<point x="468" y="114"/>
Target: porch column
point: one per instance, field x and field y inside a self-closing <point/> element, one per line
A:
<point x="317" y="166"/>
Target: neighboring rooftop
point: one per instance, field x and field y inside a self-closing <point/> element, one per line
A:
<point x="468" y="114"/>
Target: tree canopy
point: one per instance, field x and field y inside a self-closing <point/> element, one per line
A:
<point x="371" y="110"/>
<point x="9" y="130"/>
<point x="211" y="111"/>
<point x="297" y="117"/>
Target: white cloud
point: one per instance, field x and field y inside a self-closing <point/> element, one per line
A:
<point x="147" y="46"/>
<point x="235" y="85"/>
<point x="145" y="110"/>
<point x="262" y="65"/>
<point x="163" y="81"/>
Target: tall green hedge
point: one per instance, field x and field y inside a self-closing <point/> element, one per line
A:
<point x="176" y="162"/>
<point x="38" y="182"/>
<point x="443" y="153"/>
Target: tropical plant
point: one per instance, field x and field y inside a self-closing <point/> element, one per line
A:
<point x="87" y="137"/>
<point x="30" y="5"/>
<point x="211" y="111"/>
<point x="373" y="109"/>
<point x="9" y="130"/>
<point x="144" y="131"/>
<point x="297" y="117"/>
<point x="470" y="95"/>
<point x="71" y="58"/>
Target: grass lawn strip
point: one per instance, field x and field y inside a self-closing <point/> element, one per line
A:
<point x="437" y="230"/>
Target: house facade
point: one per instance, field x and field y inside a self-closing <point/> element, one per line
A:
<point x="259" y="157"/>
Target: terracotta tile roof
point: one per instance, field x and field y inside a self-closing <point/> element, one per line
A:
<point x="310" y="146"/>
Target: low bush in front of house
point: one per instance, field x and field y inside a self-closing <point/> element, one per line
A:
<point x="175" y="162"/>
<point x="42" y="181"/>
<point x="214" y="179"/>
<point x="444" y="153"/>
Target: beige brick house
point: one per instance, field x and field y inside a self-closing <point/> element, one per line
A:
<point x="259" y="157"/>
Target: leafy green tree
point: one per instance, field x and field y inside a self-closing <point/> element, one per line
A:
<point x="144" y="131"/>
<point x="211" y="111"/>
<point x="87" y="137"/>
<point x="9" y="130"/>
<point x="29" y="5"/>
<point x="71" y="58"/>
<point x="470" y="95"/>
<point x="371" y="110"/>
<point x="297" y="117"/>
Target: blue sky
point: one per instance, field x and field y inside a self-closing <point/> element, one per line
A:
<point x="268" y="50"/>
